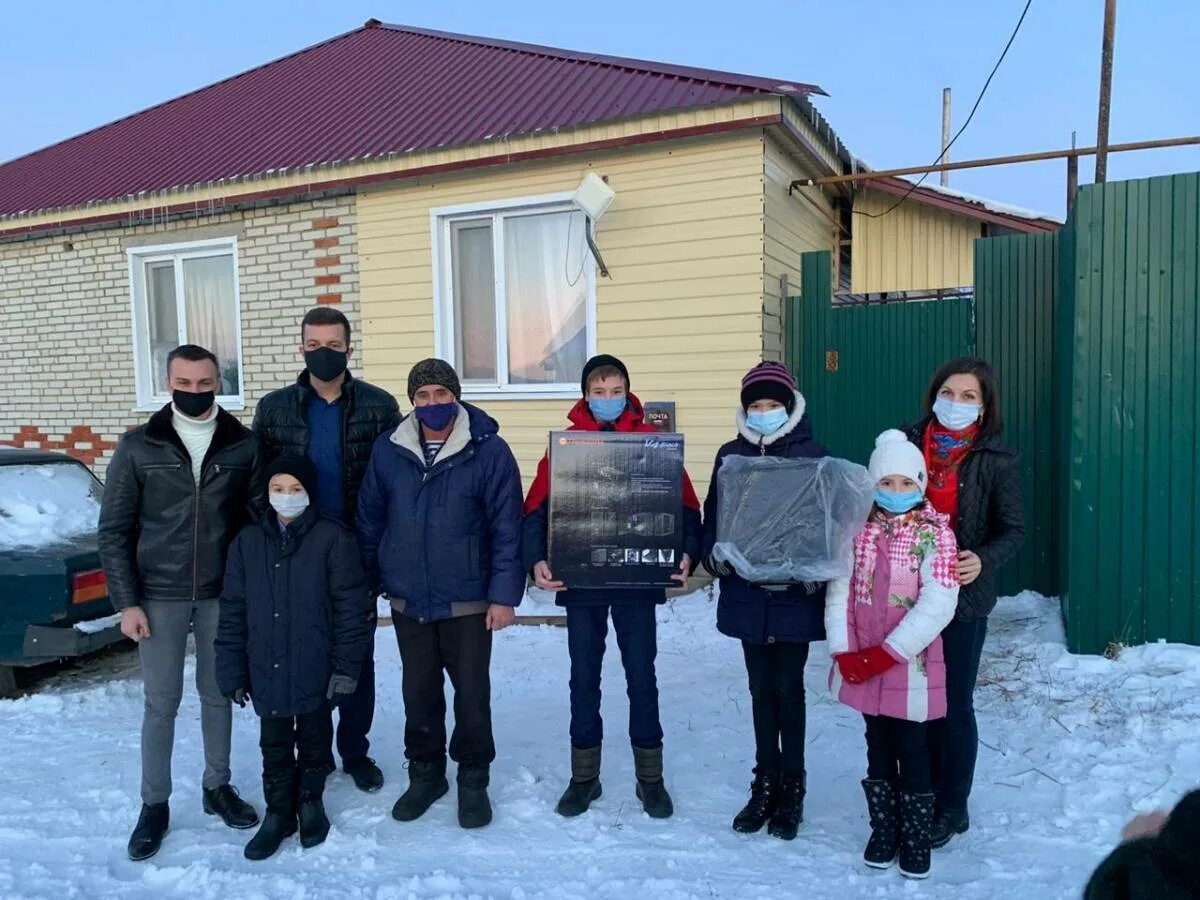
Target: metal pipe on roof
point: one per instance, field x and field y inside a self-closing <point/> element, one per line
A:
<point x="870" y="175"/>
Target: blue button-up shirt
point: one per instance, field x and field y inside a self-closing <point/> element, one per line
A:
<point x="325" y="451"/>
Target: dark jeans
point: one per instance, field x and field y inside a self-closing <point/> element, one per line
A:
<point x="357" y="712"/>
<point x="954" y="740"/>
<point x="776" y="673"/>
<point x="898" y="751"/>
<point x="293" y="751"/>
<point x="462" y="648"/>
<point x="637" y="638"/>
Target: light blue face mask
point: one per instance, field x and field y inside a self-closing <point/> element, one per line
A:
<point x="767" y="422"/>
<point x="892" y="502"/>
<point x="956" y="416"/>
<point x="607" y="410"/>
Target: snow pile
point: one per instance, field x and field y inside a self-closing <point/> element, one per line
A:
<point x="46" y="504"/>
<point x="1071" y="747"/>
<point x="990" y="205"/>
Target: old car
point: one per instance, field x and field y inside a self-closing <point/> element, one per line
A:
<point x="53" y="598"/>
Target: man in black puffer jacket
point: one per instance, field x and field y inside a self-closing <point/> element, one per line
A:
<point x="333" y="419"/>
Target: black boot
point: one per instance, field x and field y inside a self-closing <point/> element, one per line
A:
<point x="789" y="810"/>
<point x="279" y="824"/>
<point x="426" y="784"/>
<point x="884" y="844"/>
<point x="367" y="776"/>
<point x="585" y="782"/>
<point x="648" y="766"/>
<point x="474" y="807"/>
<point x="233" y="810"/>
<point x="916" y="829"/>
<point x="946" y="824"/>
<point x="152" y="825"/>
<point x="764" y="795"/>
<point x="314" y="824"/>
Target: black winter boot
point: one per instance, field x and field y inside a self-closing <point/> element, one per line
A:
<point x="916" y="829"/>
<point x="474" y="807"/>
<point x="368" y="777"/>
<point x="946" y="824"/>
<point x="884" y="844"/>
<point x="426" y="784"/>
<point x="151" y="828"/>
<point x="585" y="782"/>
<point x="764" y="795"/>
<point x="789" y="811"/>
<point x="233" y="810"/>
<point x="314" y="824"/>
<point x="279" y="824"/>
<point x="648" y="766"/>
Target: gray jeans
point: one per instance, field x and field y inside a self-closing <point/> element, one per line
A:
<point x="162" y="657"/>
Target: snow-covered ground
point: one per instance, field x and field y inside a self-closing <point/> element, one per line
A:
<point x="1072" y="747"/>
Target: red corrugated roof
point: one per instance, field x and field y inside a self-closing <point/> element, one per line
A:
<point x="378" y="90"/>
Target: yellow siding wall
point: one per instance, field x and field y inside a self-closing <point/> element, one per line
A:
<point x="683" y="309"/>
<point x="913" y="248"/>
<point x="792" y="226"/>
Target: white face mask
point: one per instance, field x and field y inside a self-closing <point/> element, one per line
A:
<point x="290" y="506"/>
<point x="956" y="416"/>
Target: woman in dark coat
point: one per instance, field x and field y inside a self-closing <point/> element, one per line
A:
<point x="976" y="480"/>
<point x="775" y="626"/>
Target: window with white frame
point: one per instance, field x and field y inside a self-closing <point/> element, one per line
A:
<point x="515" y="287"/>
<point x="186" y="294"/>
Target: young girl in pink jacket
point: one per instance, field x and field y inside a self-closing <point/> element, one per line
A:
<point x="884" y="624"/>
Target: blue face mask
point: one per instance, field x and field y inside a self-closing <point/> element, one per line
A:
<point x="897" y="503"/>
<point x="955" y="416"/>
<point x="767" y="422"/>
<point x="607" y="410"/>
<point x="438" y="416"/>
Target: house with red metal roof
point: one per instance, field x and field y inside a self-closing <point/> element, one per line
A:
<point x="512" y="208"/>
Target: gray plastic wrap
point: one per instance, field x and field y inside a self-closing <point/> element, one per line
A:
<point x="786" y="521"/>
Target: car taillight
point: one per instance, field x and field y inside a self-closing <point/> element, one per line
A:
<point x="88" y="586"/>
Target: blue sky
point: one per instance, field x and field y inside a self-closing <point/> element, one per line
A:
<point x="71" y="66"/>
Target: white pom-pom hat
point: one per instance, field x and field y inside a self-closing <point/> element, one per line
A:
<point x="895" y="454"/>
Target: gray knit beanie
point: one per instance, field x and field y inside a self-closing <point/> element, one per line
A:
<point x="433" y="371"/>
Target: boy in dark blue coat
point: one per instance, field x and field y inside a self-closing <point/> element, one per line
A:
<point x="607" y="405"/>
<point x="439" y="521"/>
<point x="293" y="630"/>
<point x="775" y="626"/>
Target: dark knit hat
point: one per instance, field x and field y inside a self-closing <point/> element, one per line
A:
<point x="603" y="361"/>
<point x="299" y="467"/>
<point x="769" y="381"/>
<point x="434" y="371"/>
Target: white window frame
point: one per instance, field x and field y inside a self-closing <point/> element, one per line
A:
<point x="440" y="221"/>
<point x="152" y="396"/>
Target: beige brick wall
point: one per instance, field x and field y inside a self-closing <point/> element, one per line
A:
<point x="66" y="338"/>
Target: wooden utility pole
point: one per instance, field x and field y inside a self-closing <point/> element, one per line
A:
<point x="1072" y="177"/>
<point x="1106" y="64"/>
<point x="945" y="157"/>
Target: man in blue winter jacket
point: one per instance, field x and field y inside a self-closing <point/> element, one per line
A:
<point x="439" y="524"/>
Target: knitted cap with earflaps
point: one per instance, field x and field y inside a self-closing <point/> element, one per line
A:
<point x="895" y="454"/>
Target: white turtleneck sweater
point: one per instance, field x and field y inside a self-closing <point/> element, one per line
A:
<point x="196" y="434"/>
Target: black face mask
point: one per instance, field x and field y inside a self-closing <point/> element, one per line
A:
<point x="194" y="406"/>
<point x="325" y="363"/>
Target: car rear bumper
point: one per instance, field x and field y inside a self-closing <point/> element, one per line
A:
<point x="44" y="643"/>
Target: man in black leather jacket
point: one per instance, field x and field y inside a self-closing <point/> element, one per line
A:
<point x="178" y="490"/>
<point x="333" y="419"/>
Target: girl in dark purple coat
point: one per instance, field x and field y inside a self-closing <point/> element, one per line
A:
<point x="774" y="625"/>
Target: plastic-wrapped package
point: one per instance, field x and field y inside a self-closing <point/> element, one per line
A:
<point x="785" y="521"/>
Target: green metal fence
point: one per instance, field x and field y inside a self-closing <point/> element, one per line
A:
<point x="1131" y="561"/>
<point x="1016" y="290"/>
<point x="866" y="368"/>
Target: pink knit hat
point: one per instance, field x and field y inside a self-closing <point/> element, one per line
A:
<point x="769" y="381"/>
